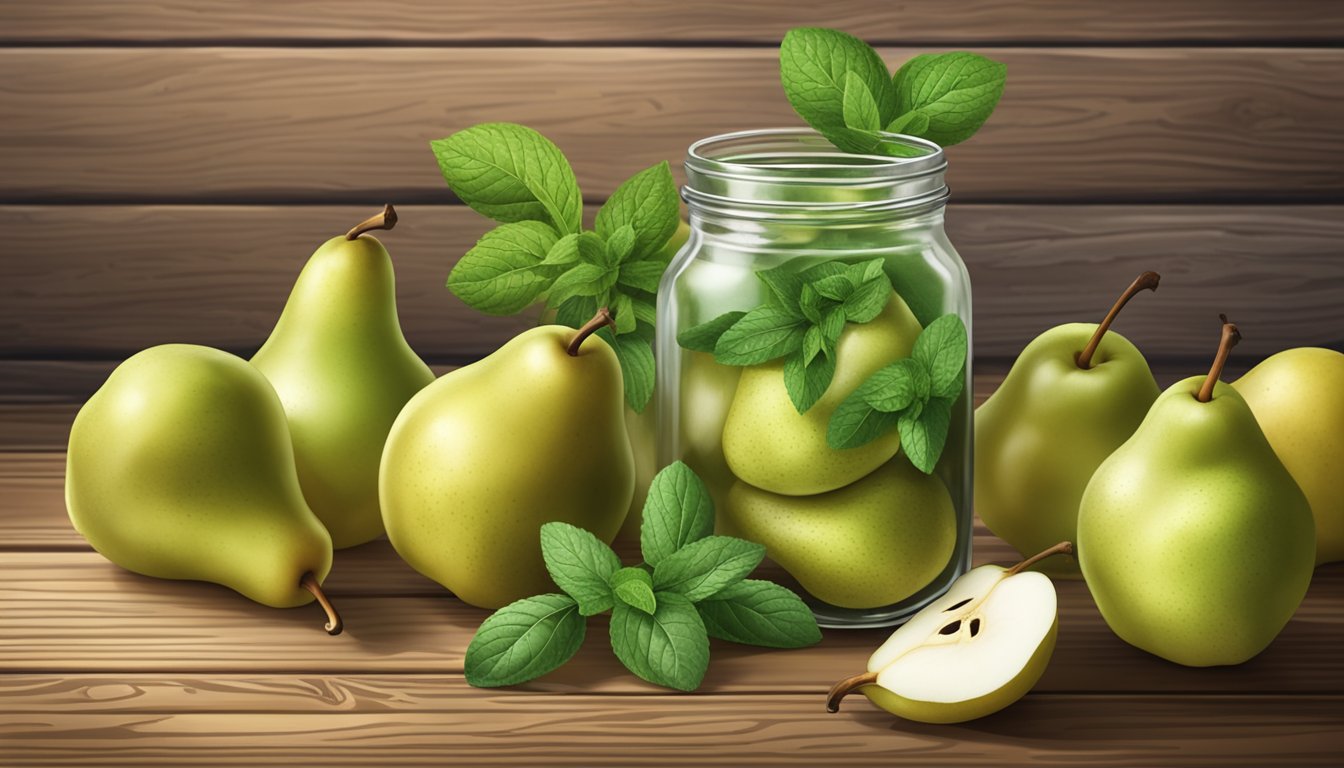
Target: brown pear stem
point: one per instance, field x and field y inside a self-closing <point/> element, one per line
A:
<point x="847" y="686"/>
<point x="384" y="219"/>
<point x="603" y="317"/>
<point x="1145" y="282"/>
<point x="1229" y="340"/>
<point x="1062" y="548"/>
<point x="309" y="582"/>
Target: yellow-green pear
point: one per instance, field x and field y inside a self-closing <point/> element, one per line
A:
<point x="867" y="545"/>
<point x="343" y="370"/>
<point x="968" y="654"/>
<point x="706" y="394"/>
<point x="770" y="445"/>
<point x="180" y="467"/>
<point x="1297" y="396"/>
<point x="1072" y="397"/>
<point x="481" y="458"/>
<point x="1195" y="541"/>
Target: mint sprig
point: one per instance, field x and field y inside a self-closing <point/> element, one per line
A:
<point x="841" y="87"/>
<point x="801" y="321"/>
<point x="915" y="395"/>
<point x="541" y="252"/>
<point x="691" y="587"/>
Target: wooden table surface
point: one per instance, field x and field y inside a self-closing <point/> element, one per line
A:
<point x="99" y="666"/>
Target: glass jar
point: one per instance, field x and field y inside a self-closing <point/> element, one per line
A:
<point x="865" y="537"/>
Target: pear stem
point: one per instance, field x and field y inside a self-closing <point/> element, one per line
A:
<point x="1062" y="548"/>
<point x="334" y="625"/>
<point x="1145" y="282"/>
<point x="847" y="686"/>
<point x="603" y="317"/>
<point x="384" y="219"/>
<point x="1229" y="340"/>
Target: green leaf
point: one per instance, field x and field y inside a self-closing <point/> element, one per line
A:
<point x="585" y="247"/>
<point x="623" y="313"/>
<point x="580" y="564"/>
<point x="858" y="109"/>
<point x="895" y="387"/>
<point x="942" y="349"/>
<point x="759" y="613"/>
<point x="669" y="648"/>
<point x="832" y="325"/>
<point x="677" y="511"/>
<point x="868" y="300"/>
<point x="812" y="344"/>
<point x="647" y="202"/>
<point x="955" y="92"/>
<point x="642" y="275"/>
<point x="511" y="173"/>
<point x="924" y="435"/>
<point x="763" y="334"/>
<point x="576" y="311"/>
<point x="807" y="382"/>
<point x="705" y="336"/>
<point x="583" y="279"/>
<point x="524" y="640"/>
<point x="634" y="587"/>
<point x="785" y="286"/>
<point x="836" y="287"/>
<point x="703" y="568"/>
<point x="621" y="244"/>
<point x="811" y="303"/>
<point x="857" y="423"/>
<point x="911" y="123"/>
<point x="813" y="68"/>
<point x="823" y="270"/>
<point x="635" y="355"/>
<point x="645" y="311"/>
<point x="502" y="274"/>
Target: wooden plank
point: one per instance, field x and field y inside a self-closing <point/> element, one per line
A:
<point x="749" y="21"/>
<point x="351" y="124"/>
<point x="483" y="728"/>
<point x="101" y="282"/>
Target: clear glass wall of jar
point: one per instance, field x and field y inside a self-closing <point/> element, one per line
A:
<point x="874" y="544"/>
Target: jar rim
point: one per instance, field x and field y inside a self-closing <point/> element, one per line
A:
<point x="767" y="147"/>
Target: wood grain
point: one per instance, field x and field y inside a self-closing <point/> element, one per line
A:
<point x="114" y="279"/>
<point x="351" y="124"/>
<point x="478" y="728"/>
<point x="662" y="21"/>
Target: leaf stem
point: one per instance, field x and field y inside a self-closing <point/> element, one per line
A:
<point x="384" y="219"/>
<point x="309" y="582"/>
<point x="1062" y="548"/>
<point x="847" y="686"/>
<point x="1229" y="340"/>
<point x="1145" y="282"/>
<point x="603" y="317"/>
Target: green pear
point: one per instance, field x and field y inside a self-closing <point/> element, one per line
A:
<point x="1195" y="541"/>
<point x="343" y="370"/>
<point x="970" y="653"/>
<point x="1297" y="396"/>
<point x="868" y="545"/>
<point x="768" y="444"/>
<point x="1072" y="397"/>
<point x="481" y="458"/>
<point x="706" y="394"/>
<point x="180" y="467"/>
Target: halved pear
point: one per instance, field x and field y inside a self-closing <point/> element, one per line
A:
<point x="970" y="653"/>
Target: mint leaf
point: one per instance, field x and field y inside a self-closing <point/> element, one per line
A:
<point x="941" y="349"/>
<point x="524" y="640"/>
<point x="634" y="587"/>
<point x="502" y="273"/>
<point x="857" y="423"/>
<point x="763" y="334"/>
<point x="806" y="382"/>
<point x="835" y="287"/>
<point x="955" y="93"/>
<point x="580" y="564"/>
<point x="623" y="313"/>
<point x="511" y="173"/>
<point x="813" y="65"/>
<point x="621" y="244"/>
<point x="785" y="286"/>
<point x="759" y="613"/>
<point x="895" y="387"/>
<point x="635" y="355"/>
<point x="647" y="202"/>
<point x="677" y="511"/>
<point x="858" y="109"/>
<point x="645" y="311"/>
<point x="584" y="247"/>
<point x="832" y="325"/>
<point x="924" y="435"/>
<point x="812" y="344"/>
<point x="703" y="568"/>
<point x="911" y="124"/>
<point x="704" y="337"/>
<point x="641" y="275"/>
<point x="583" y="279"/>
<point x="669" y="648"/>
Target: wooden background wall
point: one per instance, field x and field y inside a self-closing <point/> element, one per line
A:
<point x="166" y="167"/>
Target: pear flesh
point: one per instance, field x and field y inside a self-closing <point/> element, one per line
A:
<point x="341" y="366"/>
<point x="481" y="458"/>
<point x="1297" y="397"/>
<point x="180" y="467"/>
<point x="980" y="647"/>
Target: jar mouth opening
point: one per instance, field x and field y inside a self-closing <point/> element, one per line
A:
<point x="804" y="157"/>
